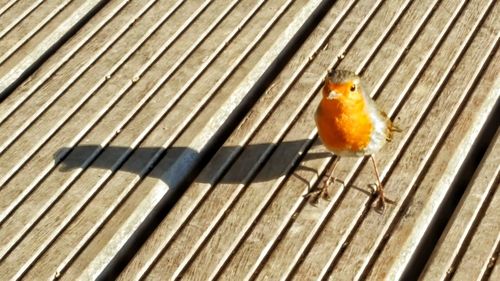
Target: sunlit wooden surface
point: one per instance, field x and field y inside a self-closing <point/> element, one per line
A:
<point x="467" y="248"/>
<point x="147" y="98"/>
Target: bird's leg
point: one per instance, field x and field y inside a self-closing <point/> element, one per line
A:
<point x="379" y="203"/>
<point x="331" y="179"/>
<point x="323" y="190"/>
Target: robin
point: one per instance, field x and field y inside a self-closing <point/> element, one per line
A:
<point x="350" y="124"/>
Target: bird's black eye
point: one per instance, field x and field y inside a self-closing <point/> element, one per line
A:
<point x="353" y="87"/>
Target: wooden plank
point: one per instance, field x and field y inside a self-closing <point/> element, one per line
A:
<point x="482" y="253"/>
<point x="269" y="46"/>
<point x="120" y="114"/>
<point x="333" y="228"/>
<point x="30" y="29"/>
<point x="250" y="220"/>
<point x="56" y="63"/>
<point x="495" y="273"/>
<point x="19" y="225"/>
<point x="247" y="147"/>
<point x="6" y="5"/>
<point x="12" y="16"/>
<point x="149" y="255"/>
<point x="464" y="223"/>
<point x="337" y="232"/>
<point x="73" y="197"/>
<point x="466" y="113"/>
<point x="288" y="206"/>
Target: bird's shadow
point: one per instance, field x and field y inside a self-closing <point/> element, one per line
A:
<point x="137" y="161"/>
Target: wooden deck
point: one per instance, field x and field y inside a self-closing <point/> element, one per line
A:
<point x="467" y="249"/>
<point x="175" y="140"/>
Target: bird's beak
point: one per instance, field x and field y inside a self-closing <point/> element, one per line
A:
<point x="333" y="95"/>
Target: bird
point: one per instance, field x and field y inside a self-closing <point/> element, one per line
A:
<point x="350" y="124"/>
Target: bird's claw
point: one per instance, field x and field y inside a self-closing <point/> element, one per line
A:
<point x="318" y="193"/>
<point x="315" y="195"/>
<point x="379" y="204"/>
<point x="380" y="200"/>
<point x="321" y="192"/>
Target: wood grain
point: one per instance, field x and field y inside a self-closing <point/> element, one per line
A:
<point x="467" y="247"/>
<point x="118" y="117"/>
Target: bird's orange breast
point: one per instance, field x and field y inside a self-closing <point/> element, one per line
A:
<point x="344" y="126"/>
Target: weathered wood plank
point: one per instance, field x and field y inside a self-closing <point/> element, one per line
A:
<point x="11" y="16"/>
<point x="71" y="198"/>
<point x="198" y="192"/>
<point x="18" y="219"/>
<point x="269" y="46"/>
<point x="259" y="225"/>
<point x="30" y="29"/>
<point x="415" y="30"/>
<point x="482" y="252"/>
<point x="58" y="61"/>
<point x="466" y="112"/>
<point x="372" y="233"/>
<point x="210" y="210"/>
<point x="5" y="5"/>
<point x="470" y="211"/>
<point x="345" y="207"/>
<point x="120" y="114"/>
<point x="495" y="273"/>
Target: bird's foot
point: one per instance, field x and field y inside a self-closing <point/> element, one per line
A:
<point x="380" y="200"/>
<point x="321" y="192"/>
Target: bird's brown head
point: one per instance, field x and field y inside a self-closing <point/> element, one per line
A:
<point x="342" y="85"/>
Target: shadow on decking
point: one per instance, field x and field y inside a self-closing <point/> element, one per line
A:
<point x="137" y="160"/>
